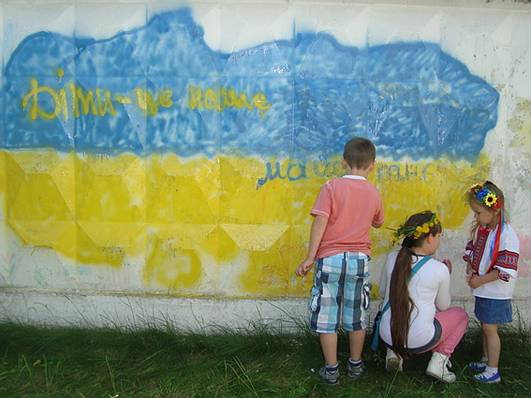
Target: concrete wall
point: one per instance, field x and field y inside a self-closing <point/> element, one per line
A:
<point x="159" y="159"/>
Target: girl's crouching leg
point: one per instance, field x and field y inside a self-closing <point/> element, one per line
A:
<point x="454" y="323"/>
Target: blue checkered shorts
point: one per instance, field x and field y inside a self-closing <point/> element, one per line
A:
<point x="340" y="293"/>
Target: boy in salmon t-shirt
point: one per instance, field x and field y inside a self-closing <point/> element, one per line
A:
<point x="340" y="247"/>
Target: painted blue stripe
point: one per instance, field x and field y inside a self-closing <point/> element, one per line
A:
<point x="411" y="99"/>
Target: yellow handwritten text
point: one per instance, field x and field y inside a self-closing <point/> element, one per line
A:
<point x="48" y="103"/>
<point x="72" y="100"/>
<point x="221" y="98"/>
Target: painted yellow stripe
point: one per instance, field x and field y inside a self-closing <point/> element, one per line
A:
<point x="191" y="220"/>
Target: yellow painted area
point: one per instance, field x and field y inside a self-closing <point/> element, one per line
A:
<point x="440" y="188"/>
<point x="173" y="256"/>
<point x="191" y="219"/>
<point x="520" y="123"/>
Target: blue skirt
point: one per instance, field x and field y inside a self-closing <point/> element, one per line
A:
<point x="493" y="311"/>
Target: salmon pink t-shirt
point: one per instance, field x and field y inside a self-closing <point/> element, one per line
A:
<point x="352" y="205"/>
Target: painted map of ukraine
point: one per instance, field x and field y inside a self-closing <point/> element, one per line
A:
<point x="151" y="148"/>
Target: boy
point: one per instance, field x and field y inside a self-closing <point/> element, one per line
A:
<point x="340" y="245"/>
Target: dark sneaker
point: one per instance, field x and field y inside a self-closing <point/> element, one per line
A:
<point x="355" y="371"/>
<point x="331" y="377"/>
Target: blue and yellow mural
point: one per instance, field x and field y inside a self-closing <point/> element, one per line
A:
<point x="151" y="145"/>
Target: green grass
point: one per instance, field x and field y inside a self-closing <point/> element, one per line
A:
<point x="52" y="362"/>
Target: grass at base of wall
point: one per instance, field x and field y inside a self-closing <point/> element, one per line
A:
<point x="59" y="362"/>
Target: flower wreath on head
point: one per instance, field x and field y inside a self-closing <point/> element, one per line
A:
<point x="485" y="196"/>
<point x="415" y="231"/>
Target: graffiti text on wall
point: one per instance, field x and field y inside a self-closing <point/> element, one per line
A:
<point x="100" y="102"/>
<point x="296" y="170"/>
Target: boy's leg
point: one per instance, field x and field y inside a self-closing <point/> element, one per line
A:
<point x="329" y="347"/>
<point x="356" y="302"/>
<point x="354" y="310"/>
<point x="325" y="313"/>
<point x="330" y="372"/>
<point x="356" y="340"/>
<point x="355" y="366"/>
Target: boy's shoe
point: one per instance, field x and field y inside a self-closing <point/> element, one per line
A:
<point x="477" y="367"/>
<point x="488" y="378"/>
<point x="355" y="371"/>
<point x="392" y="362"/>
<point x="331" y="377"/>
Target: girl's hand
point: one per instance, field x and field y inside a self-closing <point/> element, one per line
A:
<point x="468" y="273"/>
<point x="448" y="263"/>
<point x="474" y="281"/>
<point x="304" y="267"/>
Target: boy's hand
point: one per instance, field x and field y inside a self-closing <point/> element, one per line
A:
<point x="448" y="263"/>
<point x="304" y="267"/>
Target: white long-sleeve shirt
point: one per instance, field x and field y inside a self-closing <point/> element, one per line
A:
<point x="479" y="253"/>
<point x="429" y="290"/>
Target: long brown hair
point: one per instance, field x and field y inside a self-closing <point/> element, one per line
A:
<point x="401" y="303"/>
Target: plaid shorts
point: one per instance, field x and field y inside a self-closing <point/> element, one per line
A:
<point x="340" y="293"/>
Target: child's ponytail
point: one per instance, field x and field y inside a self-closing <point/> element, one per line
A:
<point x="401" y="303"/>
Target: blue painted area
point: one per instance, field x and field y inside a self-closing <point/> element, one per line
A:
<point x="411" y="99"/>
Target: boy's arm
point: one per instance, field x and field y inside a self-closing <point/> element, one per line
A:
<point x="316" y="234"/>
<point x="378" y="219"/>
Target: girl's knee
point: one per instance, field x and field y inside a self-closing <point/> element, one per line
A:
<point x="460" y="314"/>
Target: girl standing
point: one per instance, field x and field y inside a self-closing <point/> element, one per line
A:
<point x="492" y="258"/>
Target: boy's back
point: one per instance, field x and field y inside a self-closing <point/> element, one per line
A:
<point x="352" y="205"/>
<point x="339" y="240"/>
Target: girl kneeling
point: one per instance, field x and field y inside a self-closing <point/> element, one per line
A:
<point x="419" y="318"/>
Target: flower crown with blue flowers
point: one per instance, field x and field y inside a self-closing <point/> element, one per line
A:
<point x="485" y="196"/>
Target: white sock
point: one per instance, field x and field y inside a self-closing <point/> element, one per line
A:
<point x="490" y="371"/>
